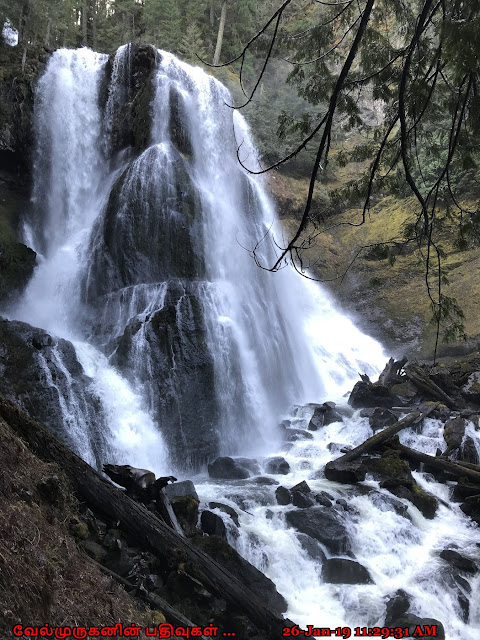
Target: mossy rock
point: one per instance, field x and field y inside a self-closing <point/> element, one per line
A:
<point x="390" y="470"/>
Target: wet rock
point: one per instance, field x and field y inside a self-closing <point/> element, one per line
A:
<point x="227" y="469"/>
<point x="312" y="547"/>
<point x="342" y="503"/>
<point x="264" y="481"/>
<point x="302" y="487"/>
<point x="366" y="394"/>
<point x="323" y="498"/>
<point x="345" y="472"/>
<point x="425" y="502"/>
<point x="471" y="390"/>
<point x="322" y="524"/>
<point x="301" y="499"/>
<point x="389" y="503"/>
<point x="453" y="433"/>
<point x="283" y="496"/>
<point x="179" y="489"/>
<point x="186" y="510"/>
<point x="412" y="622"/>
<point x="468" y="451"/>
<point x="390" y="470"/>
<point x="397" y="606"/>
<point x="212" y="524"/>
<point x="226" y="509"/>
<point x="381" y="418"/>
<point x="293" y="435"/>
<point x="457" y="561"/>
<point x="251" y="464"/>
<point x="324" y="415"/>
<point x="223" y="553"/>
<point x="343" y="571"/>
<point x="277" y="465"/>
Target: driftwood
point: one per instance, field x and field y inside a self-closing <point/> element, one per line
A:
<point x="391" y="370"/>
<point x="453" y="468"/>
<point x="421" y="380"/>
<point x="382" y="436"/>
<point x="141" y="524"/>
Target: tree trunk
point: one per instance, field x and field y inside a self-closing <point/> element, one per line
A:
<point x="455" y="469"/>
<point x="84" y="22"/>
<point x="221" y="29"/>
<point x="141" y="524"/>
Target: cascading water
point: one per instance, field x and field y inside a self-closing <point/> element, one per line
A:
<point x="140" y="222"/>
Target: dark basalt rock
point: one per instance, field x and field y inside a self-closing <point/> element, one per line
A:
<point x="324" y="415"/>
<point x="180" y="489"/>
<point x="381" y="418"/>
<point x="412" y="622"/>
<point x="343" y="571"/>
<point x="302" y="500"/>
<point x="397" y="606"/>
<point x="453" y="433"/>
<point x="390" y="470"/>
<point x="366" y="394"/>
<point x="251" y="464"/>
<point x="186" y="511"/>
<point x="223" y="553"/>
<point x="277" y="465"/>
<point x="468" y="451"/>
<point x="179" y="131"/>
<point x="292" y="435"/>
<point x="457" y="561"/>
<point x="226" y="509"/>
<point x="323" y="524"/>
<point x="425" y="502"/>
<point x="227" y="468"/>
<point x="312" y="547"/>
<point x="389" y="503"/>
<point x="283" y="496"/>
<point x="345" y="472"/>
<point x="212" y="524"/>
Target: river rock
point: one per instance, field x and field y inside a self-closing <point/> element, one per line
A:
<point x="212" y="524"/>
<point x="390" y="470"/>
<point x="179" y="489"/>
<point x="412" y="622"/>
<point x="323" y="524"/>
<point x="312" y="547"/>
<point x="366" y="394"/>
<point x="457" y="561"/>
<point x="453" y="433"/>
<point x="345" y="472"/>
<point x="397" y="606"/>
<point x="283" y="496"/>
<point x="468" y="451"/>
<point x="381" y="418"/>
<point x="292" y="435"/>
<point x="389" y="503"/>
<point x="251" y="464"/>
<point x="227" y="468"/>
<point x="425" y="502"/>
<point x="302" y="500"/>
<point x="226" y="509"/>
<point x="225" y="555"/>
<point x="186" y="511"/>
<point x="277" y="465"/>
<point x="343" y="571"/>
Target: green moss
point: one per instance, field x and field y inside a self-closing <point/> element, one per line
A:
<point x="425" y="502"/>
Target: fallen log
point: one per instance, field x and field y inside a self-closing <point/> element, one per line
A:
<point x="453" y="468"/>
<point x="420" y="379"/>
<point x="148" y="530"/>
<point x="412" y="418"/>
<point x="391" y="371"/>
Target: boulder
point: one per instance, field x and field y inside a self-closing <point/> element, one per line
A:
<point x="226" y="509"/>
<point x="186" y="511"/>
<point x="292" y="435"/>
<point x="312" y="547"/>
<point x="381" y="418"/>
<point x="283" y="496"/>
<point x="384" y="502"/>
<point x="324" y="415"/>
<point x="301" y="499"/>
<point x="468" y="451"/>
<point x="180" y="489"/>
<point x="459" y="562"/>
<point x="366" y="394"/>
<point x="251" y="464"/>
<point x="397" y="606"/>
<point x="212" y="524"/>
<point x="323" y="498"/>
<point x="323" y="524"/>
<point x="425" y="502"/>
<point x="222" y="552"/>
<point x="343" y="571"/>
<point x="345" y="472"/>
<point x="453" y="433"/>
<point x="390" y="470"/>
<point x="226" y="468"/>
<point x="412" y="622"/>
<point x="277" y="465"/>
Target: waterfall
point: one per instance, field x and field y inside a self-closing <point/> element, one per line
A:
<point x="169" y="346"/>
